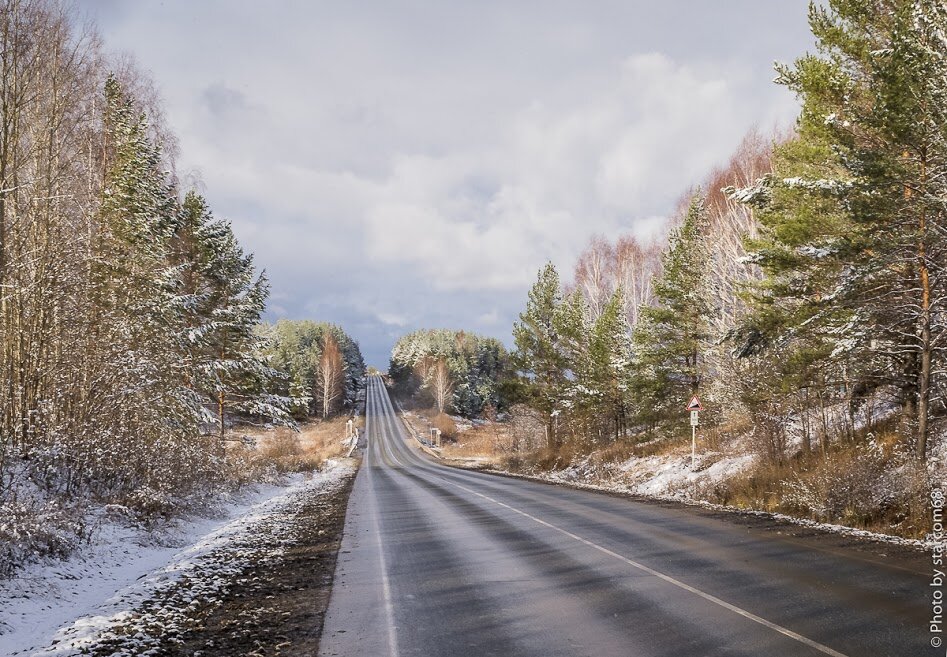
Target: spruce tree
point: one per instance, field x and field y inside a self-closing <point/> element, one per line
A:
<point x="571" y="325"/>
<point x="610" y="361"/>
<point x="671" y="335"/>
<point x="538" y="356"/>
<point x="134" y="291"/>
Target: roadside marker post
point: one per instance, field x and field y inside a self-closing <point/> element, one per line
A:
<point x="695" y="408"/>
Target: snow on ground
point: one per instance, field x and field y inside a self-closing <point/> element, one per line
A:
<point x="669" y="474"/>
<point x="60" y="608"/>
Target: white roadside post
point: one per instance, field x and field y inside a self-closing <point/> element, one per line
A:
<point x="695" y="408"/>
<point x="694" y="423"/>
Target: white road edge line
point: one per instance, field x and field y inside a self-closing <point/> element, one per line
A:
<point x="385" y="583"/>
<point x="667" y="578"/>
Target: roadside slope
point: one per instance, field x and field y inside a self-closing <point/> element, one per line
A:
<point x="265" y="557"/>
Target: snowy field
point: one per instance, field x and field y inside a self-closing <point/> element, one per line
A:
<point x="103" y="591"/>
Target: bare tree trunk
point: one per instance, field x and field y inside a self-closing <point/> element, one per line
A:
<point x="924" y="375"/>
<point x="221" y="397"/>
<point x="442" y="384"/>
<point x="806" y="438"/>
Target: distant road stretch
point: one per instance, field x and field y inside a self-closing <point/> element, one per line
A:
<point x="439" y="561"/>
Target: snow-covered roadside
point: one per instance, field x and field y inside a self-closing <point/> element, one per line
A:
<point x="58" y="608"/>
<point x="668" y="474"/>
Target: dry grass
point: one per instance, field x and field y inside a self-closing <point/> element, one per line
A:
<point x="282" y="450"/>
<point x="757" y="488"/>
<point x="446" y="425"/>
<point x="877" y="488"/>
<point x="574" y="451"/>
<point x="324" y="438"/>
<point x="487" y="440"/>
<point x="869" y="482"/>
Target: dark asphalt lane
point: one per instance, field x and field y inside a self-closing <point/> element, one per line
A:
<point x="439" y="561"/>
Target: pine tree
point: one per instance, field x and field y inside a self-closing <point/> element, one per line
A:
<point x="221" y="301"/>
<point x="242" y="380"/>
<point x="610" y="361"/>
<point x="538" y="356"/>
<point x="870" y="163"/>
<point x="671" y="335"/>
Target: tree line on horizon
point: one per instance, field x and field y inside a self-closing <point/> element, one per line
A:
<point x="454" y="371"/>
<point x="323" y="366"/>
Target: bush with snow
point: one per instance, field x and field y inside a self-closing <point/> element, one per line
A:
<point x="860" y="487"/>
<point x="30" y="531"/>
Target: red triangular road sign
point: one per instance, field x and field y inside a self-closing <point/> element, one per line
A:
<point x="694" y="404"/>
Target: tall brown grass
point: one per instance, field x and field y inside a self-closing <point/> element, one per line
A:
<point x="281" y="450"/>
<point x="446" y="424"/>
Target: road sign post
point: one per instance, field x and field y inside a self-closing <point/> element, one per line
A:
<point x="693" y="447"/>
<point x="695" y="408"/>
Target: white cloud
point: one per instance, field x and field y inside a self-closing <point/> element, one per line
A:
<point x="395" y="169"/>
<point x="566" y="172"/>
<point x="489" y="318"/>
<point x="392" y="319"/>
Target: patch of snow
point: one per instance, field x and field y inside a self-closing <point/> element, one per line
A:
<point x="662" y="475"/>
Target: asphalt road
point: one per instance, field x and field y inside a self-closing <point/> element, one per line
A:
<point x="440" y="561"/>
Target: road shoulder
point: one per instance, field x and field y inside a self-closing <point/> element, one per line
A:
<point x="258" y="586"/>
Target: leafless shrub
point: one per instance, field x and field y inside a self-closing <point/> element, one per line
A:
<point x="446" y="425"/>
<point x="862" y="486"/>
<point x="31" y="530"/>
<point x="527" y="428"/>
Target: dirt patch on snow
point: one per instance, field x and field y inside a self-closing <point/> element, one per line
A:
<point x="260" y="589"/>
<point x="279" y="606"/>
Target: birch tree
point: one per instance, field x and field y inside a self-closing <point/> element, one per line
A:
<point x="441" y="384"/>
<point x="330" y="376"/>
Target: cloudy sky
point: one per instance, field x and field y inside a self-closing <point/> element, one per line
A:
<point x="405" y="164"/>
